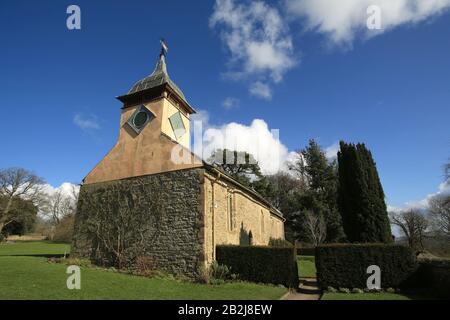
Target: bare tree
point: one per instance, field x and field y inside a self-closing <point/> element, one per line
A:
<point x="413" y="224"/>
<point x="316" y="227"/>
<point x="298" y="167"/>
<point x="18" y="183"/>
<point x="59" y="205"/>
<point x="75" y="192"/>
<point x="439" y="209"/>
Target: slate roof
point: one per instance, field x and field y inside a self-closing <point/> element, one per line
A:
<point x="157" y="78"/>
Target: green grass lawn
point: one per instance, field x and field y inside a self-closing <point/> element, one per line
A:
<point x="33" y="248"/>
<point x="26" y="274"/>
<point x="306" y="266"/>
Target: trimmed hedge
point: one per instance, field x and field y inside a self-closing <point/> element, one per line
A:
<point x="274" y="265"/>
<point x="273" y="242"/>
<point x="437" y="273"/>
<point x="306" y="251"/>
<point x="345" y="265"/>
<point x="433" y="277"/>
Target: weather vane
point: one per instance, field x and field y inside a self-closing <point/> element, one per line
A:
<point x="164" y="47"/>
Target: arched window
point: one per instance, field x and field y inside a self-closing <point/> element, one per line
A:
<point x="262" y="223"/>
<point x="230" y="211"/>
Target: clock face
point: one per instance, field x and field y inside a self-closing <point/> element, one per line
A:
<point x="140" y="118"/>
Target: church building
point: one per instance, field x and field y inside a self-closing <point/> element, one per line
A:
<point x="138" y="204"/>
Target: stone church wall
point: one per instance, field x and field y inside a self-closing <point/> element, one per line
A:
<point x="158" y="216"/>
<point x="233" y="216"/>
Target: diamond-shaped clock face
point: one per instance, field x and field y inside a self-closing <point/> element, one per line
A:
<point x="177" y="125"/>
<point x="140" y="118"/>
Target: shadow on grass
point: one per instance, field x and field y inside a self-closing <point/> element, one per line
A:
<point x="19" y="241"/>
<point x="37" y="255"/>
<point x="422" y="295"/>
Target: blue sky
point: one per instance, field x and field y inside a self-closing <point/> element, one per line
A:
<point x="332" y="82"/>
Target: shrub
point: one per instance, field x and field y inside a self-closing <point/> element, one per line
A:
<point x="306" y="251"/>
<point x="64" y="230"/>
<point x="433" y="276"/>
<point x="345" y="265"/>
<point x="282" y="243"/>
<point x="219" y="273"/>
<point x="144" y="266"/>
<point x="437" y="273"/>
<point x="215" y="274"/>
<point x="261" y="264"/>
<point x="71" y="261"/>
<point x="202" y="274"/>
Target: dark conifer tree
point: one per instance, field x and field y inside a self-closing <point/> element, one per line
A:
<point x="361" y="197"/>
<point x="320" y="197"/>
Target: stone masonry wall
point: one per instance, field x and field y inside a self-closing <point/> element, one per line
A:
<point x="231" y="215"/>
<point x="159" y="217"/>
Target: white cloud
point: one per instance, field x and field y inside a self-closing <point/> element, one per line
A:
<point x="257" y="38"/>
<point x="423" y="204"/>
<point x="230" y="103"/>
<point x="256" y="139"/>
<point x="344" y="20"/>
<point x="259" y="41"/>
<point x="86" y="123"/>
<point x="331" y="151"/>
<point x="261" y="90"/>
<point x="66" y="189"/>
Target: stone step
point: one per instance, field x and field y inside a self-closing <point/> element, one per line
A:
<point x="307" y="290"/>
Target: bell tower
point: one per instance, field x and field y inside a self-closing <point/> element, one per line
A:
<point x="154" y="119"/>
<point x="158" y="85"/>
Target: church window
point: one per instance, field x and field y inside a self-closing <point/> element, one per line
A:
<point x="262" y="222"/>
<point x="230" y="211"/>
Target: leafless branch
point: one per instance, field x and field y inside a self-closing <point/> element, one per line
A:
<point x="316" y="227"/>
<point x="439" y="209"/>
<point x="413" y="225"/>
<point x="18" y="183"/>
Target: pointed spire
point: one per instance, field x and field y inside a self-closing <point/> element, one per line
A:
<point x="161" y="65"/>
<point x="164" y="47"/>
<point x="158" y="77"/>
